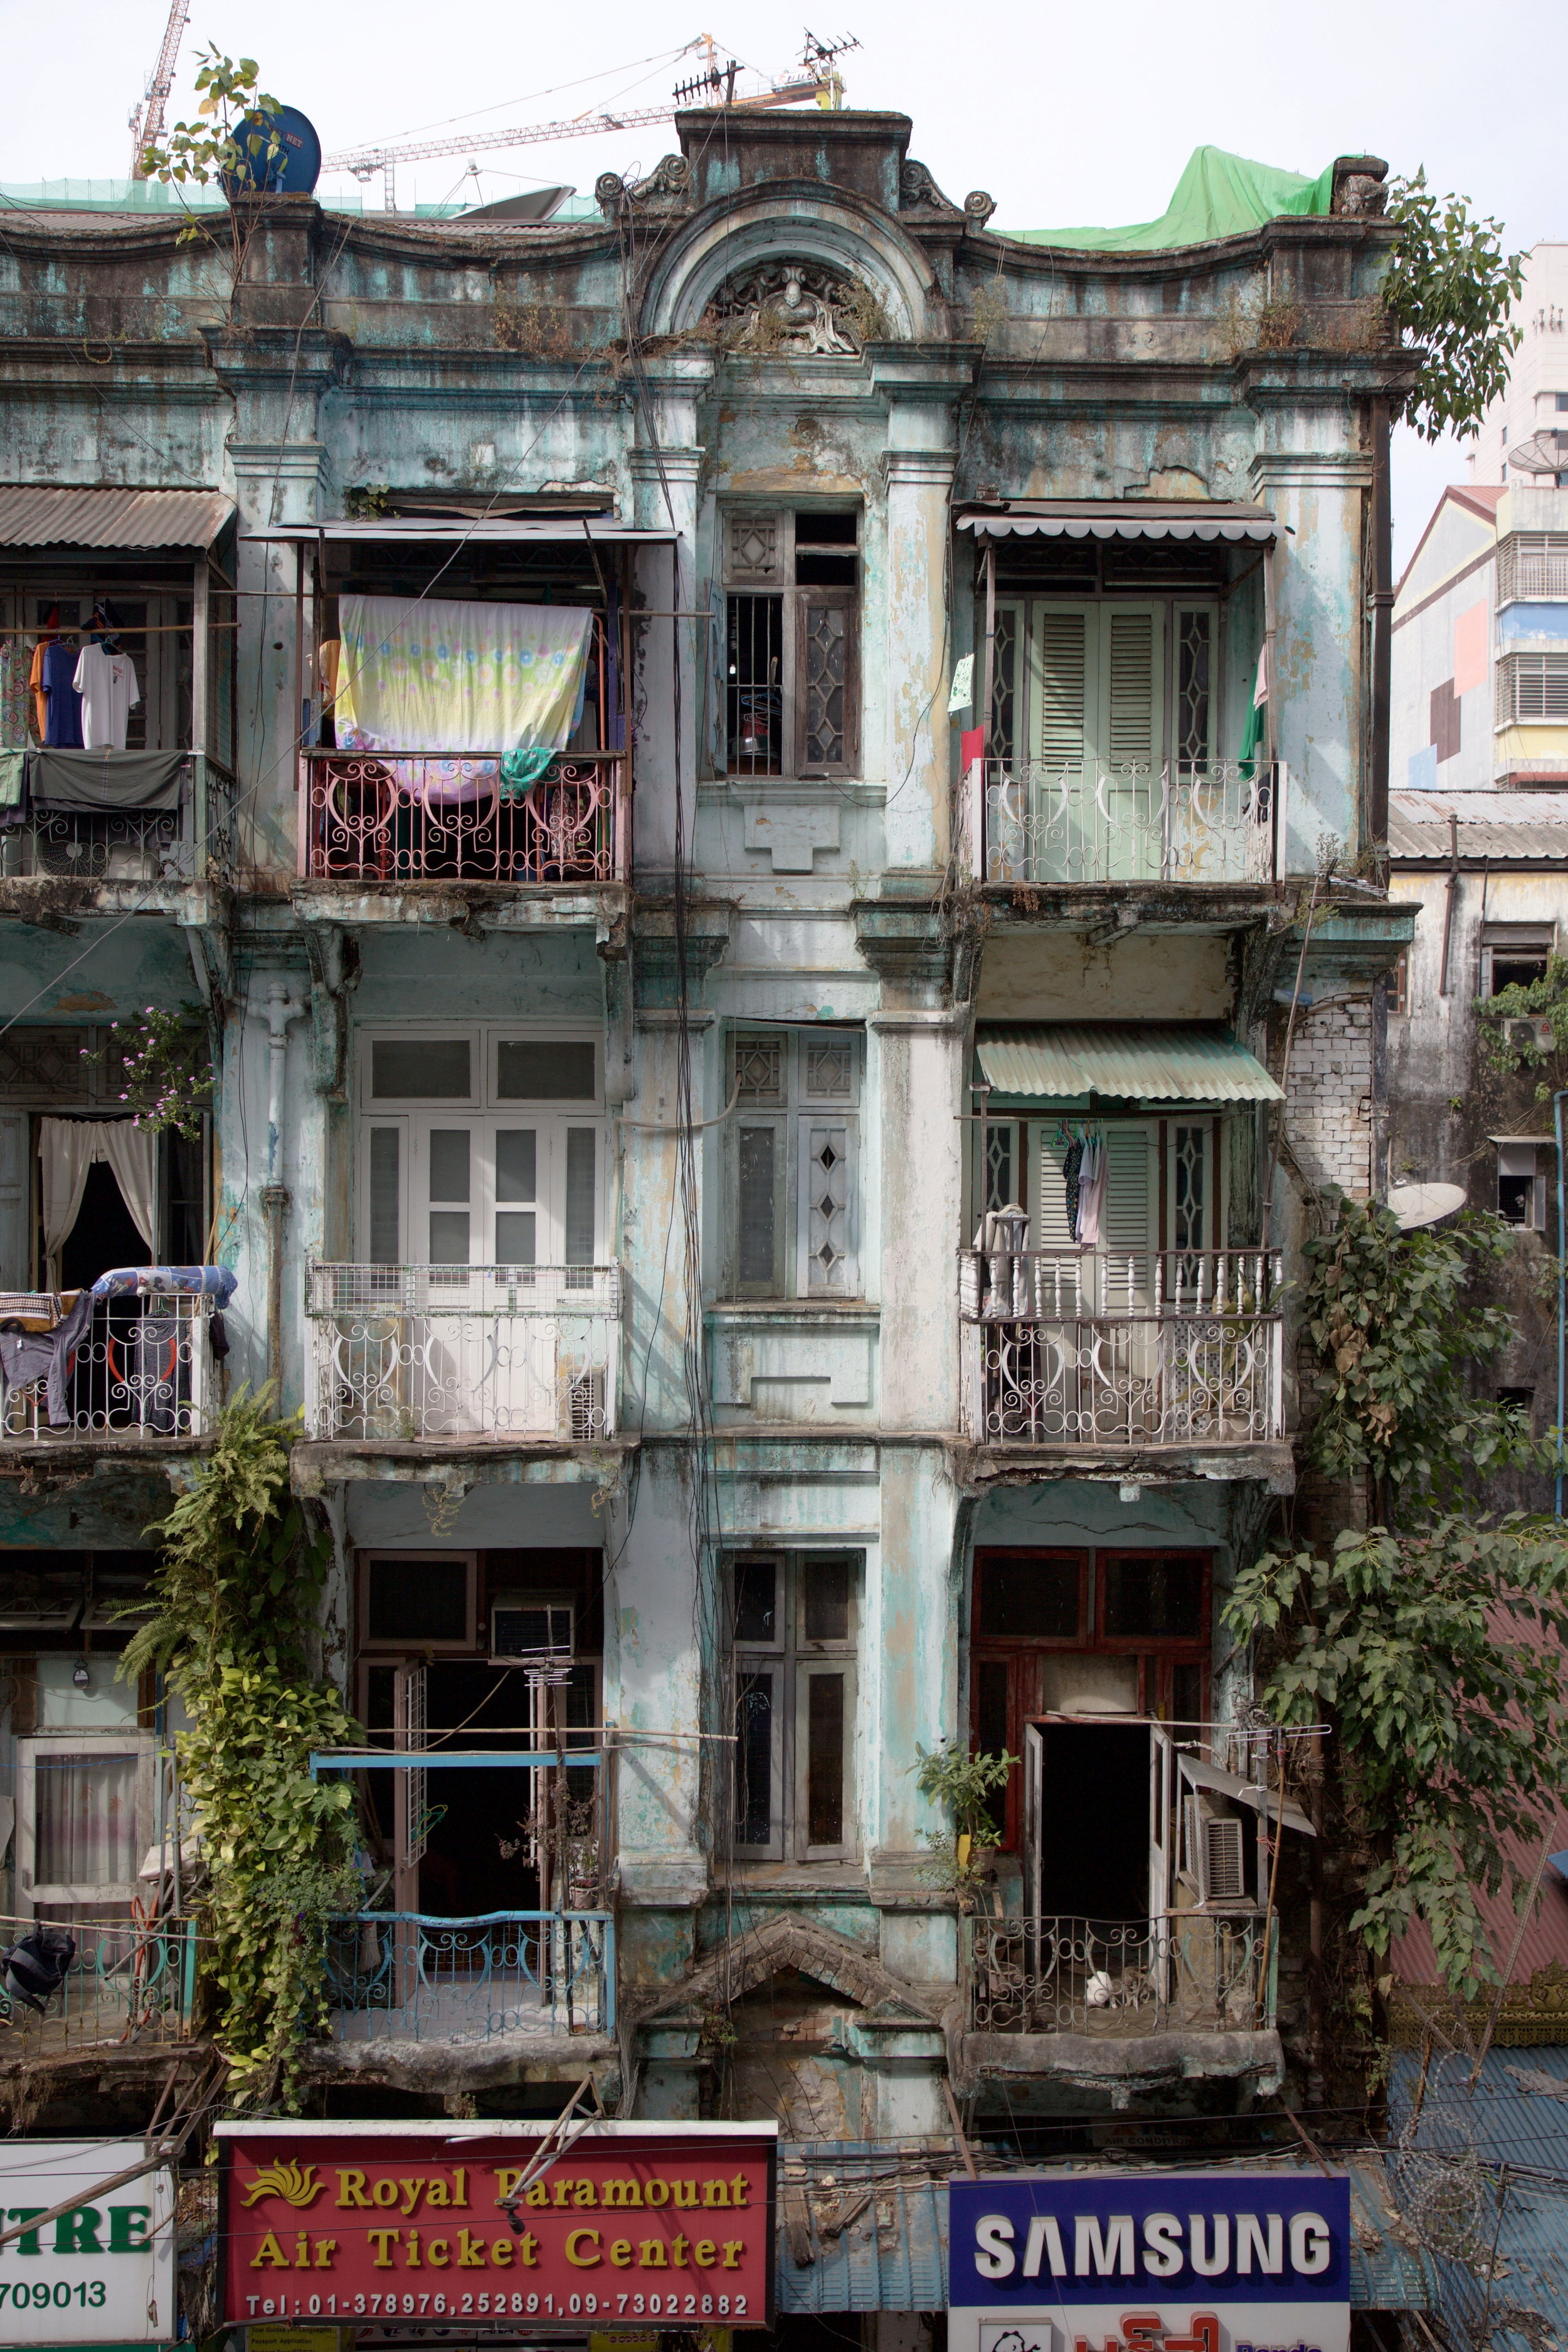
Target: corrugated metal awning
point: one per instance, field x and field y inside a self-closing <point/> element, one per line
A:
<point x="1520" y="827"/>
<point x="1119" y="519"/>
<point x="34" y="516"/>
<point x="526" y="529"/>
<point x="871" y="2224"/>
<point x="1137" y="1061"/>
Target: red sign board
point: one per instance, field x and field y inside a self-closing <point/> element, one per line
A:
<point x="403" y="2225"/>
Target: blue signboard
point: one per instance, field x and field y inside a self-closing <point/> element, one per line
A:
<point x="1149" y="2261"/>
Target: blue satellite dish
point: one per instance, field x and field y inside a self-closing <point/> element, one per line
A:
<point x="291" y="168"/>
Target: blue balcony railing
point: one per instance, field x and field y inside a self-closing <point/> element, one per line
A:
<point x="410" y="1976"/>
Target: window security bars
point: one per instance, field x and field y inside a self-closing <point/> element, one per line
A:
<point x="1146" y="1347"/>
<point x="424" y="815"/>
<point x="1533" y="564"/>
<point x="142" y="1368"/>
<point x="131" y="1980"/>
<point x="402" y="1353"/>
<point x="1531" y="686"/>
<point x="1216" y="823"/>
<point x="410" y="1976"/>
<point x="177" y="845"/>
<point x="1116" y="1979"/>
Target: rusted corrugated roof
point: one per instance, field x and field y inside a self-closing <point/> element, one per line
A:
<point x="1144" y="1061"/>
<point x="1501" y="825"/>
<point x="32" y="514"/>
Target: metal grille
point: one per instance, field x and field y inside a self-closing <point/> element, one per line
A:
<point x="829" y="1072"/>
<point x="1005" y="659"/>
<point x="430" y="815"/>
<point x="827" y="636"/>
<point x="827" y="1233"/>
<point x="1533" y="687"/>
<point x="754" y="685"/>
<point x="1115" y="1979"/>
<point x="409" y="1976"/>
<point x="1533" y="564"/>
<point x="1188" y="1203"/>
<point x="142" y="1365"/>
<point x="1194" y="657"/>
<point x="999" y="1192"/>
<point x="1070" y="820"/>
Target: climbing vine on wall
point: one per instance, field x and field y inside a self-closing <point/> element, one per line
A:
<point x="234" y="1605"/>
<point x="1543" y="1000"/>
<point x="1432" y="1644"/>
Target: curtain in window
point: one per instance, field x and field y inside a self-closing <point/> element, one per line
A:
<point x="68" y="1149"/>
<point x="86" y="1821"/>
<point x="421" y="676"/>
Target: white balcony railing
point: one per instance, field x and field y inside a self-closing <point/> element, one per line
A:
<point x="1085" y="822"/>
<point x="139" y="1367"/>
<point x="405" y="1352"/>
<point x="1139" y="1347"/>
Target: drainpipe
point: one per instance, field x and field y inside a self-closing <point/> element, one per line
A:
<point x="282" y="1008"/>
<point x="1382" y="628"/>
<point x="1561" y="1291"/>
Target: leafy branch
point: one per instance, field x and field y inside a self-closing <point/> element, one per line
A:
<point x="234" y="1607"/>
<point x="1545" y="998"/>
<point x="160" y="1060"/>
<point x="1449" y="287"/>
<point x="231" y="141"/>
<point x="962" y="1785"/>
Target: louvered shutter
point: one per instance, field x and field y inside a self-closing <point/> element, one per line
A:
<point x="15" y="1170"/>
<point x="1048" y="1226"/>
<point x="1126" y="1229"/>
<point x="1065" y="650"/>
<point x="1130" y="734"/>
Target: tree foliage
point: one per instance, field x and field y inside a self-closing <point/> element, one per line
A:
<point x="1430" y="1644"/>
<point x="1396" y="1332"/>
<point x="234" y="1601"/>
<point x="962" y="1785"/>
<point x="1450" y="287"/>
<point x="229" y="139"/>
<point x="1451" y="1721"/>
<point x="1545" y="998"/>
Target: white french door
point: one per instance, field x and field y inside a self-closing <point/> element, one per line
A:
<point x="518" y="1192"/>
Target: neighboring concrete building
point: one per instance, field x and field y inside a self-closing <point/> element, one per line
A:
<point x="762" y="1204"/>
<point x="1524" y="433"/>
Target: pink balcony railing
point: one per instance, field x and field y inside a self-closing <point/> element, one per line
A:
<point x="415" y="816"/>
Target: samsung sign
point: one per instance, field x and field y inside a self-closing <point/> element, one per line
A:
<point x="1149" y="2263"/>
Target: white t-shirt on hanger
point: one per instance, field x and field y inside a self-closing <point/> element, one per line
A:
<point x="107" y="685"/>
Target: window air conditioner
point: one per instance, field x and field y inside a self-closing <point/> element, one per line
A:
<point x="1529" y="1035"/>
<point x="528" y="1630"/>
<point x="1224" y="1865"/>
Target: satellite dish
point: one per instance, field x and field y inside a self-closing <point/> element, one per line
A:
<point x="1543" y="453"/>
<point x="537" y="204"/>
<point x="292" y="169"/>
<point x="1424" y="1205"/>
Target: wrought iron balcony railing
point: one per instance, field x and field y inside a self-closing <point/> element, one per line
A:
<point x="407" y="1353"/>
<point x="1186" y="1971"/>
<point x="1088" y="823"/>
<point x="142" y="1366"/>
<point x="173" y="846"/>
<point x="420" y="816"/>
<point x="412" y="1977"/>
<point x="130" y="1981"/>
<point x="1139" y="1347"/>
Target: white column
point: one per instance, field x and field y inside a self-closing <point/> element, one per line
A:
<point x="906" y="706"/>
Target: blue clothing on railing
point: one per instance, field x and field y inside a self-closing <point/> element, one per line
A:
<point x="27" y="1356"/>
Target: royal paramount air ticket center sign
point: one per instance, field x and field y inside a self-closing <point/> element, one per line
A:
<point x="418" y="2225"/>
<point x="1220" y="2262"/>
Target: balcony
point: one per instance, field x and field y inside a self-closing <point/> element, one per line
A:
<point x="1184" y="1972"/>
<point x="1090" y="1348"/>
<point x="400" y="1354"/>
<point x="175" y="844"/>
<point x="1214" y="826"/>
<point x="130" y="1983"/>
<point x="408" y="1975"/>
<point x="129" y="1365"/>
<point x="424" y="816"/>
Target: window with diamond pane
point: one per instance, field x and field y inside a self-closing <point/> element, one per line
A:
<point x="825" y="635"/>
<point x="824" y="1180"/>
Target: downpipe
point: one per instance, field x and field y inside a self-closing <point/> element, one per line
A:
<point x="281" y="1008"/>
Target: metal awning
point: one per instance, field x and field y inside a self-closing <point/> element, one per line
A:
<point x="33" y="516"/>
<point x="526" y="529"/>
<point x="1119" y="519"/>
<point x="1135" y="1060"/>
<point x="1245" y="1792"/>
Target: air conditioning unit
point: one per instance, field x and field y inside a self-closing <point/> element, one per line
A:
<point x="533" y="1629"/>
<point x="1223" y="1862"/>
<point x="1524" y="1036"/>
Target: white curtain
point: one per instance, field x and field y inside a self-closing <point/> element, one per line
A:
<point x="86" y="1822"/>
<point x="68" y="1149"/>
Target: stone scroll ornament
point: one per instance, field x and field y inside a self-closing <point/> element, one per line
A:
<point x="793" y="308"/>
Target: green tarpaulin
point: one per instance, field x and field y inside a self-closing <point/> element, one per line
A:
<point x="1216" y="195"/>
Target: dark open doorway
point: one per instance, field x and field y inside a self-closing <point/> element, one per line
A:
<point x="1094" y="1821"/>
<point x="103" y="1235"/>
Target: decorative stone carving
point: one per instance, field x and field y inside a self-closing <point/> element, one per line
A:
<point x="667" y="189"/>
<point x="1359" y="190"/>
<point x="916" y="187"/>
<point x="978" y="207"/>
<point x="797" y="308"/>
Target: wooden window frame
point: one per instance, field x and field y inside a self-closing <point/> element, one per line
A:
<point x="796" y="1661"/>
<point x="791" y="1120"/>
<point x="776" y="577"/>
<point x="385" y="1650"/>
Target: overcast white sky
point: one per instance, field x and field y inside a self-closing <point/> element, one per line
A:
<point x="1068" y="116"/>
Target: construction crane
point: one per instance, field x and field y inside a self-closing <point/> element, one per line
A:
<point x="818" y="79"/>
<point x="147" y="119"/>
